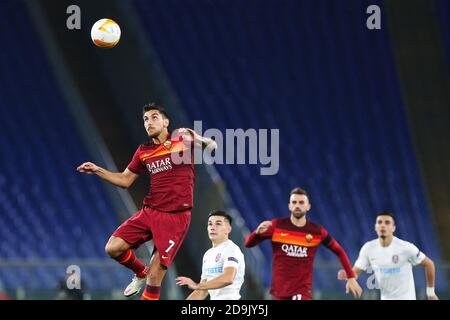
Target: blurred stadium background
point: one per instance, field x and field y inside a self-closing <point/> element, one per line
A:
<point x="364" y="119"/>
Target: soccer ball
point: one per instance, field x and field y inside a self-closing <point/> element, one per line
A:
<point x="105" y="33"/>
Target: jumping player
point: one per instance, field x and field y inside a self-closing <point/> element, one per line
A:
<point x="166" y="212"/>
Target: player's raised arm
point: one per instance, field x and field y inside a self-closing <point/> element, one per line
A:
<point x="121" y="179"/>
<point x="263" y="231"/>
<point x="202" y="142"/>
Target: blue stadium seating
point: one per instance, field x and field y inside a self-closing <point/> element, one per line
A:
<point x="47" y="210"/>
<point x="312" y="69"/>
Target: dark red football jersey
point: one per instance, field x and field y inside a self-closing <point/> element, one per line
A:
<point x="294" y="249"/>
<point x="171" y="185"/>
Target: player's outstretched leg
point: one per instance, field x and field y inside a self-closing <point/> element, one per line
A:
<point x="120" y="250"/>
<point x="155" y="277"/>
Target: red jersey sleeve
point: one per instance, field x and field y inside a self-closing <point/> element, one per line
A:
<point x="325" y="236"/>
<point x="253" y="238"/>
<point x="334" y="246"/>
<point x="136" y="166"/>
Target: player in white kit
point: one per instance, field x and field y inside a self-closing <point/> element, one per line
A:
<point x="391" y="259"/>
<point x="223" y="266"/>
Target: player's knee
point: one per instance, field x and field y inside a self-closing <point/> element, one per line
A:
<point x="109" y="249"/>
<point x="113" y="250"/>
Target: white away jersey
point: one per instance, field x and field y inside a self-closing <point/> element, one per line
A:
<point x="215" y="260"/>
<point x="392" y="266"/>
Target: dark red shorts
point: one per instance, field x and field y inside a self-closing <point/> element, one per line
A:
<point x="167" y="230"/>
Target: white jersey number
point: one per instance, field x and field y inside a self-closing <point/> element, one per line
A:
<point x="171" y="244"/>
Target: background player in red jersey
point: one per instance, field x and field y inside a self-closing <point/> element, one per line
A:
<point x="166" y="212"/>
<point x="294" y="244"/>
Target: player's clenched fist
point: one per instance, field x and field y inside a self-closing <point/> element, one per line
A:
<point x="186" y="133"/>
<point x="263" y="227"/>
<point x="88" y="167"/>
<point x="342" y="275"/>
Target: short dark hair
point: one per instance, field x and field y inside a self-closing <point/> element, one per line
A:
<point x="221" y="213"/>
<point x="153" y="106"/>
<point x="299" y="191"/>
<point x="386" y="213"/>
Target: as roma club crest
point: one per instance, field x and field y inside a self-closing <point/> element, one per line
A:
<point x="309" y="237"/>
<point x="395" y="258"/>
<point x="167" y="144"/>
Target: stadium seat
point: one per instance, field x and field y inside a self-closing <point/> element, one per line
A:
<point x="47" y="210"/>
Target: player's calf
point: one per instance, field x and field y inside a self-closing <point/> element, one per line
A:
<point x="119" y="250"/>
